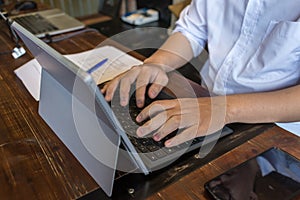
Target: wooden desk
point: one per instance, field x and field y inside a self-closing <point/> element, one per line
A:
<point x="191" y="186"/>
<point x="34" y="164"/>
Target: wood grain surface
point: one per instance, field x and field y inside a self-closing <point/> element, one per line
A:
<point x="34" y="164"/>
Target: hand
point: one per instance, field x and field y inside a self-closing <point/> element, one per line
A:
<point x="142" y="75"/>
<point x="193" y="116"/>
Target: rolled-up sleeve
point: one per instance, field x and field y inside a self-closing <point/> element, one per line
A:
<point x="192" y="24"/>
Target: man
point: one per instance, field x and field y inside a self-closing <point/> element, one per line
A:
<point x="254" y="61"/>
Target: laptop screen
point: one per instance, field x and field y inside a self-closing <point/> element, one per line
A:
<point x="92" y="138"/>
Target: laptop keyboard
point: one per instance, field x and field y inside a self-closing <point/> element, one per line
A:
<point x="154" y="150"/>
<point x="35" y="23"/>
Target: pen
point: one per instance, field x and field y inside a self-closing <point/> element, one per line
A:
<point x="99" y="64"/>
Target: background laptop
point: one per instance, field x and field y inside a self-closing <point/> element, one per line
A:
<point x="73" y="106"/>
<point x="51" y="22"/>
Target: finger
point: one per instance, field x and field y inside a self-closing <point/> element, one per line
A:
<point x="153" y="75"/>
<point x="157" y="85"/>
<point x="155" y="108"/>
<point x="110" y="89"/>
<point x="186" y="135"/>
<point x="140" y="95"/>
<point x="125" y="85"/>
<point x="153" y="124"/>
<point x="103" y="89"/>
<point x="142" y="81"/>
<point x="154" y="90"/>
<point x="171" y="125"/>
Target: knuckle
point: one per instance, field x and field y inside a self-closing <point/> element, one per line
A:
<point x="177" y="120"/>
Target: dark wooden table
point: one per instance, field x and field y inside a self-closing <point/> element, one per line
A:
<point x="35" y="164"/>
<point x="191" y="186"/>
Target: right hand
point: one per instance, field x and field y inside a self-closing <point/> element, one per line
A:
<point x="142" y="75"/>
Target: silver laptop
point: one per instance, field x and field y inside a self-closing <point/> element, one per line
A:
<point x="94" y="130"/>
<point x="51" y="22"/>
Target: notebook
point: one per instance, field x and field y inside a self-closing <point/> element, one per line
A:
<point x="100" y="135"/>
<point x="51" y="22"/>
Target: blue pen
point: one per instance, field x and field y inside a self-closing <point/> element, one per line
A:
<point x="99" y="64"/>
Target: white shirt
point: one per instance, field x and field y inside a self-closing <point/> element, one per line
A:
<point x="254" y="45"/>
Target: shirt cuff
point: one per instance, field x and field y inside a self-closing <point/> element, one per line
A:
<point x="195" y="45"/>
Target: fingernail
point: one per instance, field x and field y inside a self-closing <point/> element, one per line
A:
<point x="139" y="132"/>
<point x="153" y="93"/>
<point x="123" y="102"/>
<point x="168" y="143"/>
<point x="138" y="118"/>
<point x="139" y="103"/>
<point x="156" y="137"/>
<point x="107" y="98"/>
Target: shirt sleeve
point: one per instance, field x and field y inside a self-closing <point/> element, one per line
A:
<point x="192" y="24"/>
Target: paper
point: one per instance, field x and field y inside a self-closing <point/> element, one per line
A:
<point x="293" y="127"/>
<point x="30" y="75"/>
<point x="118" y="62"/>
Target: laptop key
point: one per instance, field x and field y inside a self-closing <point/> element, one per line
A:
<point x="35" y="23"/>
<point x="151" y="156"/>
<point x="160" y="153"/>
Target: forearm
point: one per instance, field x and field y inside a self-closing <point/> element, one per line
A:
<point x="174" y="53"/>
<point x="278" y="106"/>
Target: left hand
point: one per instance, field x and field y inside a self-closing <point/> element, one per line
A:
<point x="193" y="116"/>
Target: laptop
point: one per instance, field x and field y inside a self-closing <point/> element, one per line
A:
<point x="48" y="22"/>
<point x="94" y="130"/>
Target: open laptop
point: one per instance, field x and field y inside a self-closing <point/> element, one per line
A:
<point x="50" y="22"/>
<point x="94" y="130"/>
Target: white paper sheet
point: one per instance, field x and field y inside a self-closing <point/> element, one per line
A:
<point x="30" y="75"/>
<point x="118" y="62"/>
<point x="293" y="127"/>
